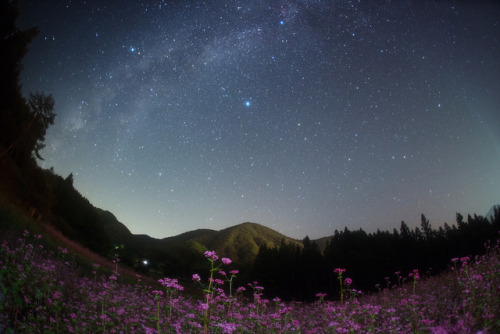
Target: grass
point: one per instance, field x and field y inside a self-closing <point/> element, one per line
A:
<point x="44" y="290"/>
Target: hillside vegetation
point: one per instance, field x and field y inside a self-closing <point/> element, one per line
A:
<point x="43" y="290"/>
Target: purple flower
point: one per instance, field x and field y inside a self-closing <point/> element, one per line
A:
<point x="196" y="277"/>
<point x="348" y="281"/>
<point x="157" y="293"/>
<point x="478" y="277"/>
<point x="211" y="255"/>
<point x="171" y="283"/>
<point x="225" y="260"/>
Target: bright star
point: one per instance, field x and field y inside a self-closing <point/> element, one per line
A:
<point x="248" y="103"/>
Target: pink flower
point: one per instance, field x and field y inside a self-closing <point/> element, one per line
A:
<point x="171" y="283"/>
<point x="338" y="270"/>
<point x="478" y="277"/>
<point x="225" y="260"/>
<point x="414" y="274"/>
<point x="234" y="272"/>
<point x="196" y="277"/>
<point x="211" y="255"/>
<point x="157" y="293"/>
<point x="348" y="281"/>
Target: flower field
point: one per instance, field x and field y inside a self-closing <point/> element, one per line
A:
<point x="45" y="291"/>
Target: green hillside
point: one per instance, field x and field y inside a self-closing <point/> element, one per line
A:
<point x="241" y="243"/>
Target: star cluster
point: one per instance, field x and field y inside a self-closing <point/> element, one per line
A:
<point x="305" y="115"/>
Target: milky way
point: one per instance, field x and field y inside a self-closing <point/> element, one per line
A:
<point x="305" y="116"/>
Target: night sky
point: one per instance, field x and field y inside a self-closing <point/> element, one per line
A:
<point x="305" y="116"/>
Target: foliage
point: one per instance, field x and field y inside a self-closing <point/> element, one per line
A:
<point x="42" y="292"/>
<point x="297" y="273"/>
<point x="23" y="123"/>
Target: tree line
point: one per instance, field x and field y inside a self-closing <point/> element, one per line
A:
<point x="370" y="259"/>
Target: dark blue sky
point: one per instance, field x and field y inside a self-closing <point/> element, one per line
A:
<point x="305" y="116"/>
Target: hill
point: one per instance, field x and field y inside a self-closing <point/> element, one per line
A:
<point x="66" y="210"/>
<point x="183" y="254"/>
<point x="242" y="242"/>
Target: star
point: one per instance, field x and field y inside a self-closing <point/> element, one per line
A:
<point x="332" y="94"/>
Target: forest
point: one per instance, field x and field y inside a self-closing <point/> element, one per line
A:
<point x="371" y="259"/>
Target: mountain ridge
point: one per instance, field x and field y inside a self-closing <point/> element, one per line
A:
<point x="180" y="253"/>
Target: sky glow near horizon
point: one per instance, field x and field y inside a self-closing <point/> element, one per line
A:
<point x="305" y="116"/>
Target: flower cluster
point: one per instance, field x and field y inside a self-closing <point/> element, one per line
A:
<point x="339" y="271"/>
<point x="57" y="298"/>
<point x="211" y="255"/>
<point x="171" y="283"/>
<point x="415" y="275"/>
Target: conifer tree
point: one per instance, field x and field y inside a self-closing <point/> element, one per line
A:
<point x="23" y="124"/>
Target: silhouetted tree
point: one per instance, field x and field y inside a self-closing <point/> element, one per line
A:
<point x="69" y="179"/>
<point x="299" y="273"/>
<point x="426" y="227"/>
<point x="404" y="230"/>
<point x="22" y="123"/>
<point x="460" y="221"/>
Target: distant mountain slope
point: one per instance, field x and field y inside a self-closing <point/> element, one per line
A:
<point x="322" y="242"/>
<point x="241" y="243"/>
<point x="118" y="233"/>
